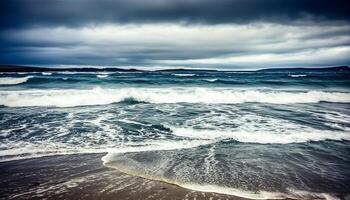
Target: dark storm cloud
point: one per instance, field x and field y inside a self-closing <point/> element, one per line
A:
<point x="21" y="13"/>
<point x="208" y="33"/>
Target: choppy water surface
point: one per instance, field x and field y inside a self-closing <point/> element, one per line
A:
<point x="252" y="134"/>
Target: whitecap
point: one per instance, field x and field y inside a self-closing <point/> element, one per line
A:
<point x="14" y="81"/>
<point x="183" y="75"/>
<point x="99" y="96"/>
<point x="106" y="73"/>
<point x="102" y="76"/>
<point x="211" y="80"/>
<point x="297" y="75"/>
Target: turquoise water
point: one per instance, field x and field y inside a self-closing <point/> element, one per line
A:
<point x="251" y="134"/>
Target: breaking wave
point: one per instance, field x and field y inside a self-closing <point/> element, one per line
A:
<point x="211" y="80"/>
<point x="99" y="96"/>
<point x="102" y="76"/>
<point x="297" y="75"/>
<point x="184" y="75"/>
<point x="14" y="81"/>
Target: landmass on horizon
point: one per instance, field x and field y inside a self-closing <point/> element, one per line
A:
<point x="22" y="68"/>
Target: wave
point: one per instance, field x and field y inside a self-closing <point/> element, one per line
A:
<point x="108" y="162"/>
<point x="161" y="145"/>
<point x="24" y="150"/>
<point x="290" y="193"/>
<point x="107" y="73"/>
<point x="75" y="72"/>
<point x="136" y="168"/>
<point x="262" y="137"/>
<point x="99" y="96"/>
<point x="297" y="75"/>
<point x="46" y="73"/>
<point x="183" y="75"/>
<point x="14" y="81"/>
<point x="234" y="191"/>
<point x="102" y="76"/>
<point x="211" y="80"/>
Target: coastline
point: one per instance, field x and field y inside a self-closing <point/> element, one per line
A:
<point x="83" y="176"/>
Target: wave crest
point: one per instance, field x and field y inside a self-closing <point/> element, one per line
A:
<point x="14" y="81"/>
<point x="183" y="75"/>
<point x="297" y="75"/>
<point x="102" y="76"/>
<point x="99" y="96"/>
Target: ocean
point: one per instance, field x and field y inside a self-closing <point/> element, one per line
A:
<point x="259" y="134"/>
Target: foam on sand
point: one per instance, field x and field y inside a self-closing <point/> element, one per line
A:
<point x="137" y="169"/>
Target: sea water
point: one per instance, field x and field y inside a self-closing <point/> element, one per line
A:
<point x="257" y="134"/>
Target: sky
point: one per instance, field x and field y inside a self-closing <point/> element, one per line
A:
<point x="226" y="34"/>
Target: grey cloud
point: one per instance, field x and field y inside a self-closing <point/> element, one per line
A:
<point x="177" y="45"/>
<point x="24" y="13"/>
<point x="174" y="32"/>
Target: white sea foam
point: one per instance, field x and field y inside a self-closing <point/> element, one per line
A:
<point x="22" y="150"/>
<point x="46" y="73"/>
<point x="99" y="96"/>
<point x="160" y="145"/>
<point x="262" y="137"/>
<point x="14" y="81"/>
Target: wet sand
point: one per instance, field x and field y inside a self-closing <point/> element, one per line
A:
<point x="82" y="176"/>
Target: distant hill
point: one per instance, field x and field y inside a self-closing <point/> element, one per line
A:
<point x="18" y="68"/>
<point x="301" y="69"/>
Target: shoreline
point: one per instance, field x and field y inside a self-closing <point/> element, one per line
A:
<point x="204" y="188"/>
<point x="83" y="176"/>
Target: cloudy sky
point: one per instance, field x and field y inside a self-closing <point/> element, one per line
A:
<point x="230" y="34"/>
